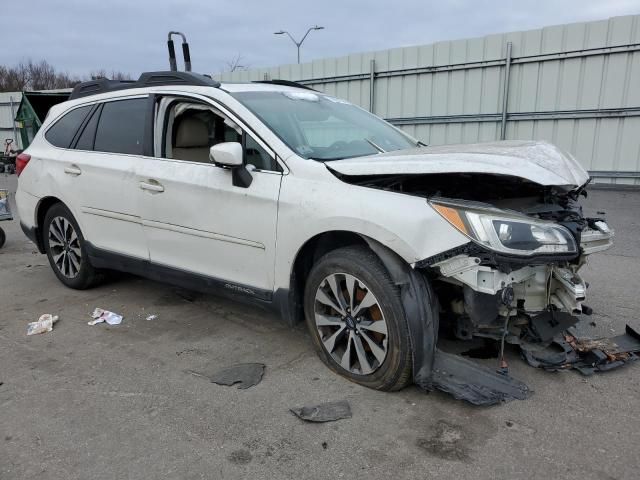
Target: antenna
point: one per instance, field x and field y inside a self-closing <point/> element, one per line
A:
<point x="172" y="52"/>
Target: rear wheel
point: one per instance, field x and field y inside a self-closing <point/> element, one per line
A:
<point x="356" y="319"/>
<point x="66" y="250"/>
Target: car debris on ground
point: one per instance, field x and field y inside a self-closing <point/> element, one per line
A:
<point x="43" y="325"/>
<point x="100" y="315"/>
<point x="245" y="375"/>
<point x="324" y="412"/>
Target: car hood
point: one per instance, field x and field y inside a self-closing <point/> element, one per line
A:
<point x="538" y="162"/>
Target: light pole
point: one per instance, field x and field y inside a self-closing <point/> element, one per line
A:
<point x="281" y="32"/>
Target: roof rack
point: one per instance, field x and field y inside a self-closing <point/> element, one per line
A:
<point x="286" y="83"/>
<point x="147" y="79"/>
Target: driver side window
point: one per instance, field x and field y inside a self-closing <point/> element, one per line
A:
<point x="191" y="129"/>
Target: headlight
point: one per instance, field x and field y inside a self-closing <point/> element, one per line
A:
<point x="507" y="232"/>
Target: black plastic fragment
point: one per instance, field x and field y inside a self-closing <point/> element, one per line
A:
<point x="588" y="356"/>
<point x="324" y="412"/>
<point x="547" y="325"/>
<point x="246" y="375"/>
<point x="475" y="383"/>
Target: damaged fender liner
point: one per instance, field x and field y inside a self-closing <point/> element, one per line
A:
<point x="470" y="381"/>
<point x="432" y="368"/>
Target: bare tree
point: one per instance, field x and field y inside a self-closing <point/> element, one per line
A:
<point x="235" y="63"/>
<point x="115" y="75"/>
<point x="41" y="75"/>
<point x="13" y="79"/>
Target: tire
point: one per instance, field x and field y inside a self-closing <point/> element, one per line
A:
<point x="3" y="237"/>
<point x="66" y="249"/>
<point x="360" y="278"/>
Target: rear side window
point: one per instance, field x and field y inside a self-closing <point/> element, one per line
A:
<point x="88" y="135"/>
<point x="121" y="127"/>
<point x="63" y="131"/>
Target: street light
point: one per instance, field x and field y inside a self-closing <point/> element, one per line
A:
<point x="282" y="32"/>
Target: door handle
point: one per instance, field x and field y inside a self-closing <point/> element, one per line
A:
<point x="72" y="170"/>
<point x="151" y="186"/>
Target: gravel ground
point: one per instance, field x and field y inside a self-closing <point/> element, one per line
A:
<point x="119" y="402"/>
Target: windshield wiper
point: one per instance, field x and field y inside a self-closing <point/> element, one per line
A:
<point x="377" y="147"/>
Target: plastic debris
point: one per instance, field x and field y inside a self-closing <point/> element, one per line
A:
<point x="100" y="315"/>
<point x="246" y="375"/>
<point x="43" y="325"/>
<point x="325" y="412"/>
<point x="152" y="317"/>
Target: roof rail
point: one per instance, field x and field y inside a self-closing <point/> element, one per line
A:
<point x="285" y="83"/>
<point x="147" y="79"/>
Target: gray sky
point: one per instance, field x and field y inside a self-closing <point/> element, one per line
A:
<point x="78" y="36"/>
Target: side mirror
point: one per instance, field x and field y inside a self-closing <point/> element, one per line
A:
<point x="230" y="155"/>
<point x="226" y="154"/>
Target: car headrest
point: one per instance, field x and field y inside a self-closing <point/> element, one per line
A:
<point x="192" y="132"/>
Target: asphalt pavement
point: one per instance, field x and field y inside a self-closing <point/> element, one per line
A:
<point x="114" y="402"/>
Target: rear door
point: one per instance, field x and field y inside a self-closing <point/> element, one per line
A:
<point x="99" y="173"/>
<point x="194" y="218"/>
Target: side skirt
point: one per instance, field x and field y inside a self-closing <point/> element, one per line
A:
<point x="189" y="280"/>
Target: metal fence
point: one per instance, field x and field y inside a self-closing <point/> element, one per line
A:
<point x="576" y="85"/>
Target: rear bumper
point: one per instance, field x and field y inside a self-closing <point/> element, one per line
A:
<point x="33" y="234"/>
<point x="27" y="206"/>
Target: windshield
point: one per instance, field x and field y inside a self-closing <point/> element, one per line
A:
<point x="320" y="127"/>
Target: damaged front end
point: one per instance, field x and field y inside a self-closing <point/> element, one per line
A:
<point x="517" y="281"/>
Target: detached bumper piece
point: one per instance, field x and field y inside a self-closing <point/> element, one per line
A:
<point x="475" y="383"/>
<point x="568" y="351"/>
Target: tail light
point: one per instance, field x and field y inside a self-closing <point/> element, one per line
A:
<point x="21" y="162"/>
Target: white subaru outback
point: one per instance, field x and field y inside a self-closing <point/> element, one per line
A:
<point x="296" y="200"/>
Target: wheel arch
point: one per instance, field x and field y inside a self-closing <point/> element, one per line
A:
<point x="418" y="298"/>
<point x="290" y="301"/>
<point x="42" y="207"/>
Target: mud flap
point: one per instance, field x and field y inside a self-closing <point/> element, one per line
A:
<point x="568" y="351"/>
<point x="475" y="383"/>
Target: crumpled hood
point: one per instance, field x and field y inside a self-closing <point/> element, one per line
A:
<point x="538" y="162"/>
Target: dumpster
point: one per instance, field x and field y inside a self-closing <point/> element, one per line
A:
<point x="32" y="111"/>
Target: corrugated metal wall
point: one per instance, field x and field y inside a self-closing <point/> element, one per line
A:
<point x="576" y="85"/>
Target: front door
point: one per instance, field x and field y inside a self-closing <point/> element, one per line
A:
<point x="194" y="218"/>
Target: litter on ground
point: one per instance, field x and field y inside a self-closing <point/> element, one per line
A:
<point x="324" y="412"/>
<point x="100" y="315"/>
<point x="43" y="325"/>
<point x="246" y="375"/>
<point x="152" y="317"/>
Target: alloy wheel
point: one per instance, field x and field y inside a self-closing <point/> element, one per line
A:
<point x="351" y="323"/>
<point x="65" y="247"/>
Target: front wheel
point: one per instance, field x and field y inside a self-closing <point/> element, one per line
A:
<point x="356" y="319"/>
<point x="66" y="250"/>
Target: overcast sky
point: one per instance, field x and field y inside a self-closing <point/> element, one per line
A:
<point x="130" y="35"/>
